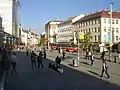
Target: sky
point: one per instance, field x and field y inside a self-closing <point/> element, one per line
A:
<point x="36" y="13"/>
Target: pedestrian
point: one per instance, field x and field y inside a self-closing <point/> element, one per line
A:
<point x="5" y="63"/>
<point x="14" y="61"/>
<point x="104" y="66"/>
<point x="89" y="55"/>
<point x="58" y="62"/>
<point x="119" y="58"/>
<point x="63" y="54"/>
<point x="33" y="59"/>
<point x="44" y="53"/>
<point x="39" y="60"/>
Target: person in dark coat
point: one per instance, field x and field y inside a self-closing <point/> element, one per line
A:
<point x="63" y="54"/>
<point x="58" y="62"/>
<point x="104" y="66"/>
<point x="44" y="53"/>
<point x="39" y="60"/>
<point x="33" y="59"/>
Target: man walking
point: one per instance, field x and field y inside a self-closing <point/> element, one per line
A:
<point x="39" y="60"/>
<point x="33" y="59"/>
<point x="13" y="60"/>
<point x="104" y="65"/>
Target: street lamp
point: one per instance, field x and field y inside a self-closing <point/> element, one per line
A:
<point x="110" y="32"/>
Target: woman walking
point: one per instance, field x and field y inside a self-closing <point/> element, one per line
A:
<point x="13" y="60"/>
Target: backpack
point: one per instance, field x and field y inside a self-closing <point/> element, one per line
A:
<point x="6" y="63"/>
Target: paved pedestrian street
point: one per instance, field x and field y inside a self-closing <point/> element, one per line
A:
<point x="74" y="78"/>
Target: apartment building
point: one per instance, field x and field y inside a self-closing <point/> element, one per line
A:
<point x="98" y="24"/>
<point x="65" y="29"/>
<point x="51" y="30"/>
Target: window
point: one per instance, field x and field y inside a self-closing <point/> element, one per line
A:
<point x="89" y="30"/>
<point x="92" y="30"/>
<point x="91" y="37"/>
<point x="98" y="29"/>
<point x="113" y="29"/>
<point x="104" y="20"/>
<point x="109" y="29"/>
<point x="108" y="21"/>
<point x="81" y="30"/>
<point x="95" y="22"/>
<point x="113" y="22"/>
<point x="116" y="21"/>
<point x="92" y="22"/>
<point x="95" y="30"/>
<point x="98" y="37"/>
<point x="116" y="38"/>
<point x="95" y="38"/>
<point x="104" y="29"/>
<point x="116" y="30"/>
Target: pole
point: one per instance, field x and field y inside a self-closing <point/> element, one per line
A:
<point x="78" y="48"/>
<point x="110" y="29"/>
<point x="48" y="37"/>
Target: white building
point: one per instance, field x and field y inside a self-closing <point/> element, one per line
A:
<point x="98" y="24"/>
<point x="29" y="38"/>
<point x="9" y="11"/>
<point x="65" y="29"/>
<point x="51" y="30"/>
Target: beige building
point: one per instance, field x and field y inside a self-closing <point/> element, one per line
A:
<point x="98" y="24"/>
<point x="51" y="30"/>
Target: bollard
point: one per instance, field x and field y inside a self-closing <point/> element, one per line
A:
<point x="115" y="59"/>
<point x="75" y="63"/>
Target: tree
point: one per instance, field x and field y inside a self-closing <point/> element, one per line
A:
<point x="72" y="42"/>
<point x="86" y="42"/>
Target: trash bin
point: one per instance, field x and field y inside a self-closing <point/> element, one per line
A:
<point x="75" y="63"/>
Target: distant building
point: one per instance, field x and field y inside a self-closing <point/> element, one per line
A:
<point x="10" y="13"/>
<point x="51" y="30"/>
<point x="65" y="29"/>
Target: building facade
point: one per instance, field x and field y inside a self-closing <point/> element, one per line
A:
<point x="9" y="11"/>
<point x="98" y="25"/>
<point x="51" y="30"/>
<point x="66" y="30"/>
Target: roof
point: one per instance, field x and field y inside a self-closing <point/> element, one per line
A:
<point x="68" y="20"/>
<point x="106" y="14"/>
<point x="54" y="21"/>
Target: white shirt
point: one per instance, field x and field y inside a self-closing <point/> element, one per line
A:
<point x="13" y="58"/>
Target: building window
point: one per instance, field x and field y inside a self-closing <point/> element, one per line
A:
<point x="116" y="21"/>
<point x="112" y="21"/>
<point x="92" y="30"/>
<point x="89" y="22"/>
<point x="108" y="21"/>
<point x="113" y="29"/>
<point x="95" y="22"/>
<point x="109" y="29"/>
<point x="98" y="37"/>
<point x="104" y="20"/>
<point x="98" y="29"/>
<point x="104" y="29"/>
<point x="92" y="22"/>
<point x="89" y="30"/>
<point x="116" y="30"/>
<point x="116" y="38"/>
<point x="95" y="29"/>
<point x="95" y="38"/>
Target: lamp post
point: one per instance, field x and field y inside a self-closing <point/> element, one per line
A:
<point x="110" y="32"/>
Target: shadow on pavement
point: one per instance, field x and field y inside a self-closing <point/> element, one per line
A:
<point x="85" y="63"/>
<point x="48" y="79"/>
<point x="93" y="72"/>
